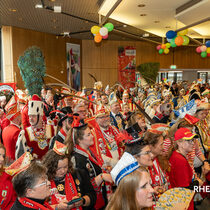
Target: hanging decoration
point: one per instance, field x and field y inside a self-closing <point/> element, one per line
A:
<point x="204" y="49"/>
<point x="174" y="39"/>
<point x="100" y="33"/>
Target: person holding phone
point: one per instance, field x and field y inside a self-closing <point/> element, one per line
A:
<point x="78" y="140"/>
<point x="70" y="188"/>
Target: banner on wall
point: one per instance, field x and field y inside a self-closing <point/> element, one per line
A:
<point x="73" y="65"/>
<point x="127" y="66"/>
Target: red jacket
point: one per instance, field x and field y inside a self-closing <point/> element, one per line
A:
<point x="10" y="136"/>
<point x="181" y="173"/>
<point x="7" y="193"/>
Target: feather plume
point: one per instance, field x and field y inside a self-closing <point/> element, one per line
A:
<point x="32" y="69"/>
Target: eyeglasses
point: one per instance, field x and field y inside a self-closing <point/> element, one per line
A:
<point x="191" y="141"/>
<point x="145" y="153"/>
<point x="41" y="184"/>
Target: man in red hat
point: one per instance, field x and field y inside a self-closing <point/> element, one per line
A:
<point x="38" y="135"/>
<point x="11" y="132"/>
<point x="105" y="138"/>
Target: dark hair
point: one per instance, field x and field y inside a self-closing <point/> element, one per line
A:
<point x="152" y="138"/>
<point x="50" y="161"/>
<point x="28" y="178"/>
<point x="135" y="148"/>
<point x="73" y="136"/>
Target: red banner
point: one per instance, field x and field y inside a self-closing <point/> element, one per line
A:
<point x="127" y="66"/>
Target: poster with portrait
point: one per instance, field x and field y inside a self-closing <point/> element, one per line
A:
<point x="127" y="66"/>
<point x="73" y="65"/>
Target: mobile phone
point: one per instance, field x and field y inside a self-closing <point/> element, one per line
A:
<point x="74" y="201"/>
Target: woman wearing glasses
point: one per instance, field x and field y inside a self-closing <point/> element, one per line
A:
<point x="7" y="193"/>
<point x="181" y="174"/>
<point x="32" y="188"/>
<point x="67" y="184"/>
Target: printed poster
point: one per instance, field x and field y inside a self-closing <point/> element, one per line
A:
<point x="127" y="66"/>
<point x="73" y="65"/>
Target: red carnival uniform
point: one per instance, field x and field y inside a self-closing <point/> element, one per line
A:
<point x="7" y="193"/>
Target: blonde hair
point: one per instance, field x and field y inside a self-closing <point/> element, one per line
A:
<point x="124" y="197"/>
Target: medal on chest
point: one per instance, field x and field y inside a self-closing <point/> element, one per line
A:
<point x="4" y="193"/>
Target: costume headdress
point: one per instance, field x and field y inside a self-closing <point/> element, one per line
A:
<point x="21" y="164"/>
<point x="124" y="167"/>
<point x="60" y="148"/>
<point x="12" y="109"/>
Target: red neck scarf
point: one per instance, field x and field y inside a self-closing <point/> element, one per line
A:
<point x="70" y="190"/>
<point x="34" y="205"/>
<point x="82" y="151"/>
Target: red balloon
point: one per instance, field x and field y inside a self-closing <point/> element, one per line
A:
<point x="198" y="49"/>
<point x="208" y="54"/>
<point x="179" y="40"/>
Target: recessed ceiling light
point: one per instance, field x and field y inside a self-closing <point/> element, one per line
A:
<point x="124" y="26"/>
<point x="12" y="10"/>
<point x="156" y="21"/>
<point x="142" y="15"/>
<point x="52" y="0"/>
<point x="141" y="5"/>
<point x="38" y="6"/>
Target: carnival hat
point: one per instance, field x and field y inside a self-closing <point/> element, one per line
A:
<point x="21" y="164"/>
<point x="60" y="148"/>
<point x="184" y="133"/>
<point x="124" y="167"/>
<point x="12" y="109"/>
<point x="35" y="106"/>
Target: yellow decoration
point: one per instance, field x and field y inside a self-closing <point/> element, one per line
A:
<point x="182" y="33"/>
<point x="208" y="50"/>
<point x="166" y="50"/>
<point x="95" y="29"/>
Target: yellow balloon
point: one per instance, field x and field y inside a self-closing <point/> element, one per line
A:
<point x="95" y="29"/>
<point x="182" y="33"/>
<point x="166" y="50"/>
<point x="208" y="50"/>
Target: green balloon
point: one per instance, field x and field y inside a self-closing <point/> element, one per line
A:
<point x="172" y="42"/>
<point x="186" y="40"/>
<point x="203" y="54"/>
<point x="109" y="26"/>
<point x="161" y="51"/>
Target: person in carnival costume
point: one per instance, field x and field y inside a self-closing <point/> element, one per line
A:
<point x="181" y="173"/>
<point x="133" y="185"/>
<point x="30" y="183"/>
<point x="154" y="137"/>
<point x="78" y="141"/>
<point x="11" y="132"/>
<point x="67" y="183"/>
<point x="7" y="193"/>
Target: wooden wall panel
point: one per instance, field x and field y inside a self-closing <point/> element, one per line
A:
<point x="53" y="48"/>
<point x="101" y="59"/>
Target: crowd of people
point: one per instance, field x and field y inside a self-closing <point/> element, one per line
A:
<point x="106" y="148"/>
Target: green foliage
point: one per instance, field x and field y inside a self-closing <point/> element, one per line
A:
<point x="32" y="69"/>
<point x="149" y="71"/>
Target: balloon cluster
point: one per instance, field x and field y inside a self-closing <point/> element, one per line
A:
<point x="174" y="39"/>
<point x="204" y="50"/>
<point x="101" y="32"/>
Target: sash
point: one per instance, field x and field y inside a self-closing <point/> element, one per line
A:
<point x="34" y="205"/>
<point x="70" y="191"/>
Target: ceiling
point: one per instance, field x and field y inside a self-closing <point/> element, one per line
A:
<point x="78" y="16"/>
